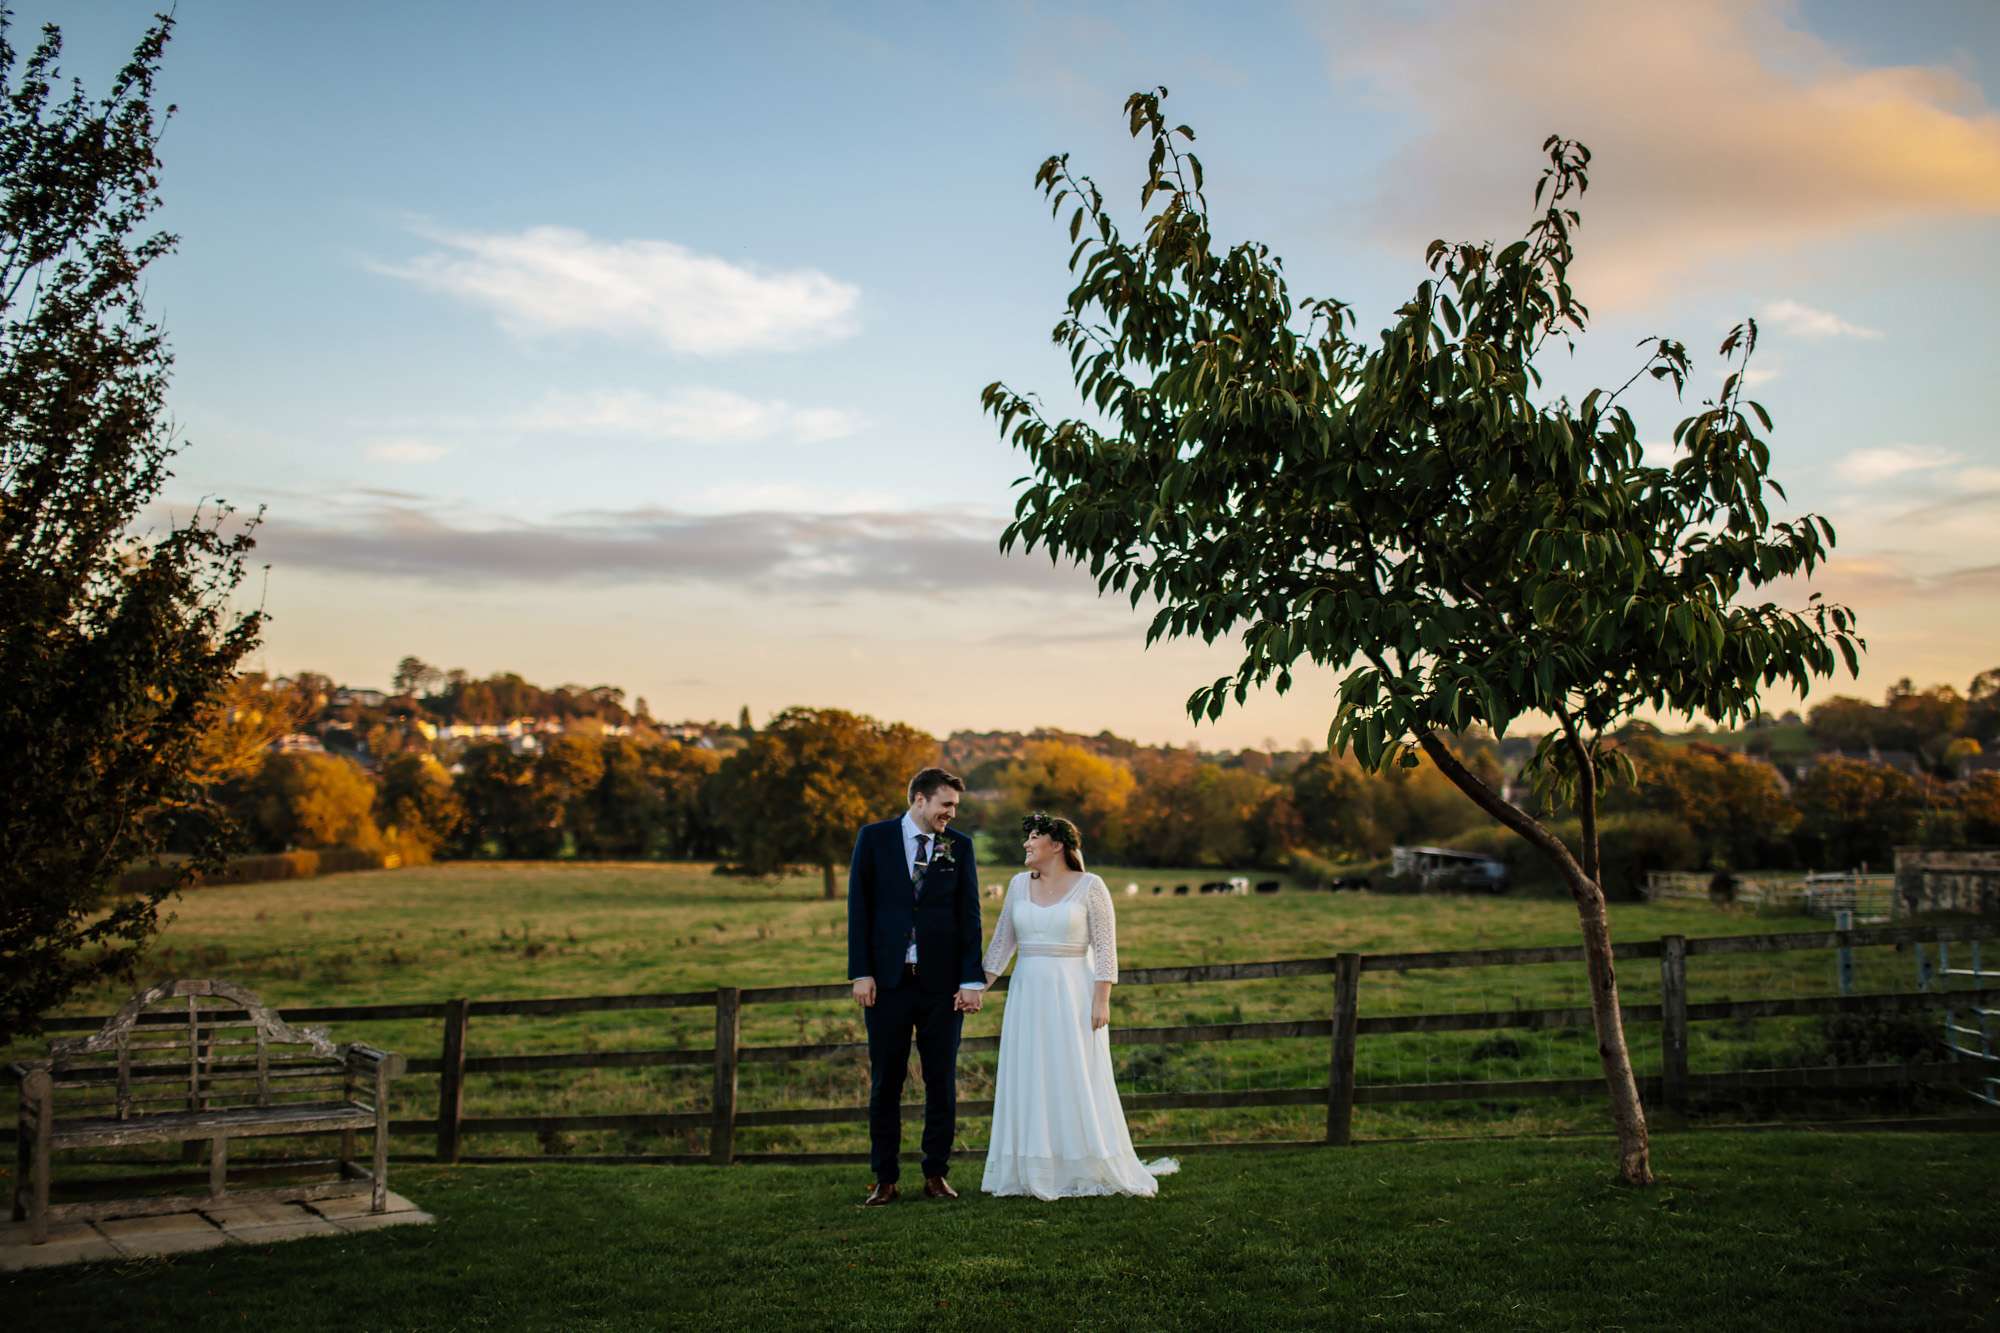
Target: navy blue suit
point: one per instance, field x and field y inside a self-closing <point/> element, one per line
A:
<point x="883" y="911"/>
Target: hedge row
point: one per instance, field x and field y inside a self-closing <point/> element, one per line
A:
<point x="269" y="866"/>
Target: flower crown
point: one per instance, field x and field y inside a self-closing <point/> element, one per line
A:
<point x="1050" y="826"/>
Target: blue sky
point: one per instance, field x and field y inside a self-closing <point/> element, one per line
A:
<point x="642" y="344"/>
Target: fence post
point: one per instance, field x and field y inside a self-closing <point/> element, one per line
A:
<point x="1340" y="1079"/>
<point x="728" y="1027"/>
<point x="1843" y="921"/>
<point x="451" y="1078"/>
<point x="1674" y="1021"/>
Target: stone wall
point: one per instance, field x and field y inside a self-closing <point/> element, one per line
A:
<point x="1962" y="880"/>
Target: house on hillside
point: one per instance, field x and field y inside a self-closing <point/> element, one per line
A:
<point x="344" y="696"/>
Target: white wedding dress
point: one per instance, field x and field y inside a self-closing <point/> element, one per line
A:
<point x="1058" y="1129"/>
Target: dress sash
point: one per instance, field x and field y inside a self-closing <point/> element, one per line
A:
<point x="1034" y="950"/>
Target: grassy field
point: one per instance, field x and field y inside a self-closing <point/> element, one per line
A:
<point x="1769" y="1231"/>
<point x="487" y="930"/>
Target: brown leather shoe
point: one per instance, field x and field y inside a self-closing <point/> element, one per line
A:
<point x="937" y="1187"/>
<point x="880" y="1193"/>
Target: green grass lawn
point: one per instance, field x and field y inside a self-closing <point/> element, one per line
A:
<point x="493" y="930"/>
<point x="1766" y="1231"/>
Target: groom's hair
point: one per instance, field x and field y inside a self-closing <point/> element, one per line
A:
<point x="926" y="783"/>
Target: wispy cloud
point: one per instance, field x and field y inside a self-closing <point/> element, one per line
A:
<point x="405" y="451"/>
<point x="710" y="416"/>
<point x="1804" y="321"/>
<point x="767" y="552"/>
<point x="559" y="280"/>
<point x="1888" y="462"/>
<point x="1718" y="129"/>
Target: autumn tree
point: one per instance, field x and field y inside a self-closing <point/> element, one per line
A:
<point x="562" y="785"/>
<point x="1416" y="513"/>
<point x="493" y="787"/>
<point x="416" y="807"/>
<point x="1982" y="707"/>
<point x="1845" y="723"/>
<point x="1854" y="813"/>
<point x="117" y="637"/>
<point x="1737" y="811"/>
<point x="1068" y="780"/>
<point x="1336" y="808"/>
<point x="803" y="785"/>
<point x="1188" y="813"/>
<point x="413" y="675"/>
<point x="240" y="724"/>
<point x="313" y="801"/>
<point x="1978" y="800"/>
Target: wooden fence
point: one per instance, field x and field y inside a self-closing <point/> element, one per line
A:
<point x="1675" y="1087"/>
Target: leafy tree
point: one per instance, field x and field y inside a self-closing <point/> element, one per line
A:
<point x="1189" y="813"/>
<point x="628" y="812"/>
<point x="245" y="717"/>
<point x="1413" y="513"/>
<point x="681" y="774"/>
<point x="1336" y="809"/>
<point x="1959" y="752"/>
<point x="1846" y="723"/>
<point x="115" y="645"/>
<point x="1979" y="808"/>
<point x="493" y="786"/>
<point x="1982" y="707"/>
<point x="313" y="800"/>
<point x="1924" y="722"/>
<point x="1071" y="781"/>
<point x="1852" y="813"/>
<point x="415" y="676"/>
<point x="1735" y="808"/>
<point x="802" y="786"/>
<point x="418" y="810"/>
<point x="561" y="786"/>
<point x="1345" y="809"/>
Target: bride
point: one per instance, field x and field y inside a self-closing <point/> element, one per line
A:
<point x="1058" y="1130"/>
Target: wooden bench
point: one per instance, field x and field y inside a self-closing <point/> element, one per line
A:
<point x="191" y="1060"/>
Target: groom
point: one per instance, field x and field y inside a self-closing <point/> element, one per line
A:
<point x="913" y="955"/>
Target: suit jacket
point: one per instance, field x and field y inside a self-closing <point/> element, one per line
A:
<point x="882" y="909"/>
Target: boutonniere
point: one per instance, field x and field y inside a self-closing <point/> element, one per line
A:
<point x="941" y="854"/>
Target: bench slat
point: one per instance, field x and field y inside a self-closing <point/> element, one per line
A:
<point x="242" y="1122"/>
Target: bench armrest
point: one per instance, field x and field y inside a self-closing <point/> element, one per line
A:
<point x="366" y="1059"/>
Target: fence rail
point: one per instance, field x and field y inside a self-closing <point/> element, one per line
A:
<point x="1676" y="1085"/>
<point x="1869" y="897"/>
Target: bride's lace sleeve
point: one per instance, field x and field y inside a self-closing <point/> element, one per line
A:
<point x="1002" y="948"/>
<point x="1103" y="932"/>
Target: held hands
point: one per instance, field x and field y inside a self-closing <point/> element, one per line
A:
<point x="969" y="1001"/>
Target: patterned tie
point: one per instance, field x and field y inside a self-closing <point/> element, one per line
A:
<point x="917" y="878"/>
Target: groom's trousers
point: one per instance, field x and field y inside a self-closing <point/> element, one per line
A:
<point x="895" y="1017"/>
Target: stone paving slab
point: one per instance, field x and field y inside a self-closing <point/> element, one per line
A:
<point x="68" y="1243"/>
<point x="358" y="1206"/>
<point x="298" y="1229"/>
<point x="246" y="1223"/>
<point x="175" y="1233"/>
<point x="230" y="1216"/>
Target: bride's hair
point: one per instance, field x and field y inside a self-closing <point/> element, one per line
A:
<point x="1064" y="832"/>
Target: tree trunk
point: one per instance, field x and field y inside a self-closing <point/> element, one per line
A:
<point x="1628" y="1116"/>
<point x="826" y="869"/>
